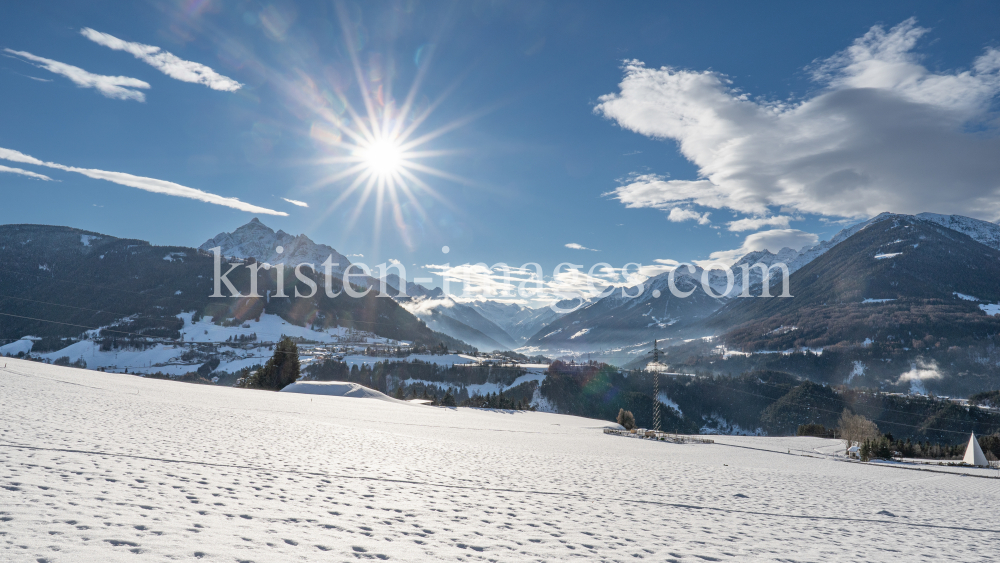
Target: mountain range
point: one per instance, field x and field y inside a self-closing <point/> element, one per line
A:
<point x="898" y="298"/>
<point x="59" y="282"/>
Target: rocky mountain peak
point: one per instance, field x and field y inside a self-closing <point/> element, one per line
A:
<point x="257" y="240"/>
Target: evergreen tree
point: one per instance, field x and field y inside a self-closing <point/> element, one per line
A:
<point x="281" y="370"/>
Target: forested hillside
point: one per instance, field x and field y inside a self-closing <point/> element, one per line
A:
<point x="59" y="282"/>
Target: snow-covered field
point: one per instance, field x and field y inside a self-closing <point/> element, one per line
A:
<point x="99" y="467"/>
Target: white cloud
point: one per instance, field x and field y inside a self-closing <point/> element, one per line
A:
<point x="646" y="271"/>
<point x="24" y="173"/>
<point x="773" y="241"/>
<point x="576" y="246"/>
<point x="296" y="202"/>
<point x="116" y="87"/>
<point x="165" y="62"/>
<point x="921" y="371"/>
<point x="142" y="183"/>
<point x="755" y="223"/>
<point x="883" y="132"/>
<point x="522" y="284"/>
<point x="679" y="214"/>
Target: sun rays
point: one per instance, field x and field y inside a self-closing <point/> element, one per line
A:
<point x="378" y="150"/>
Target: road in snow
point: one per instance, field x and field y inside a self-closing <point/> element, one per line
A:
<point x="98" y="467"/>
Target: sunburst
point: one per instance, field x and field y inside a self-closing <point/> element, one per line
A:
<point x="381" y="154"/>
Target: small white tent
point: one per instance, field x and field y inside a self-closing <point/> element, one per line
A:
<point x="974" y="454"/>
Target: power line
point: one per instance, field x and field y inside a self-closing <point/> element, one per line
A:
<point x="106" y="288"/>
<point x="352" y="321"/>
<point x="121" y="315"/>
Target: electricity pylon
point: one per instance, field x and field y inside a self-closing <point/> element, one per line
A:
<point x="656" y="388"/>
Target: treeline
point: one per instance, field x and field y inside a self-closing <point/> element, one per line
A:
<point x="599" y="390"/>
<point x="418" y="379"/>
<point x="886" y="447"/>
<point x="764" y="401"/>
<point x="876" y="445"/>
<point x="989" y="399"/>
<point x="968" y="367"/>
<point x="381" y="374"/>
<point x="496" y="401"/>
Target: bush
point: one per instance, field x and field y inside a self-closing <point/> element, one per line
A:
<point x="855" y="428"/>
<point x="64" y="361"/>
<point x="626" y="419"/>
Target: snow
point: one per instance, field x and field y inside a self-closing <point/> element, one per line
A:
<point x="964" y="296"/>
<point x="443" y="360"/>
<point x="887" y="255"/>
<point x="85" y="239"/>
<point x="870" y="300"/>
<point x="102" y="467"/>
<point x="580" y="333"/>
<point x="485" y="388"/>
<point x="179" y="256"/>
<point x="336" y="389"/>
<point x="540" y="403"/>
<point x="666" y="401"/>
<point x="270" y="328"/>
<point x="162" y="358"/>
<point x="16" y="347"/>
<point x="720" y="425"/>
<point x="990" y="308"/>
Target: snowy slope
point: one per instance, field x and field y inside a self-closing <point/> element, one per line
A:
<point x="338" y="389"/>
<point x="981" y="231"/>
<point x="98" y="468"/>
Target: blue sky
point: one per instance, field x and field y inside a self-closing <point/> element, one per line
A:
<point x="545" y="135"/>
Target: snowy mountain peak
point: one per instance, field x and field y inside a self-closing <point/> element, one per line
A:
<point x="981" y="231"/>
<point x="257" y="240"/>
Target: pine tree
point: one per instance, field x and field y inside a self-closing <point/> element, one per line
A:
<point x="282" y="369"/>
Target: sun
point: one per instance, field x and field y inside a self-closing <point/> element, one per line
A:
<point x="377" y="150"/>
<point x="383" y="157"/>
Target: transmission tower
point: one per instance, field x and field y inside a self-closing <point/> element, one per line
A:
<point x="656" y="388"/>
